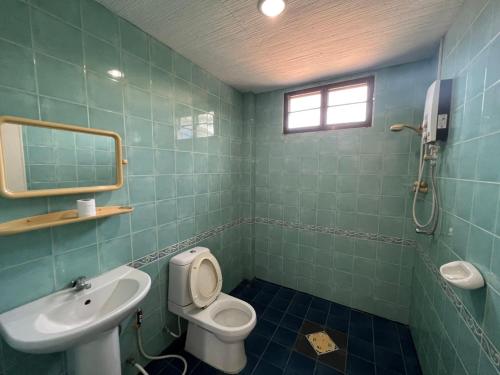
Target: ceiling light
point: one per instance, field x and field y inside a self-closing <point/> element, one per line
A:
<point x="115" y="73"/>
<point x="271" y="8"/>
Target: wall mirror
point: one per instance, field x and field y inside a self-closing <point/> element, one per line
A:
<point x="40" y="158"/>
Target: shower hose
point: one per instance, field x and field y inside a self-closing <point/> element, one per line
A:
<point x="428" y="227"/>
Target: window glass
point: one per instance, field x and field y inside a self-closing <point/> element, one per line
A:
<point x="344" y="114"/>
<point x="348" y="95"/>
<point x="306" y="101"/>
<point x="334" y="106"/>
<point x="304" y="119"/>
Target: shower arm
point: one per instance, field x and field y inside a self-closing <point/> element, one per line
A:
<point x="399" y="127"/>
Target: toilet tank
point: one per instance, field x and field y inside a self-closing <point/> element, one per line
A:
<point x="178" y="276"/>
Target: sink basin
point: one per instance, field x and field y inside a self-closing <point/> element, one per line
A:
<point x="73" y="320"/>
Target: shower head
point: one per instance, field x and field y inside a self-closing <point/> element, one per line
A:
<point x="399" y="127"/>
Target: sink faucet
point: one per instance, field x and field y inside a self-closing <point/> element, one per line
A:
<point x="81" y="283"/>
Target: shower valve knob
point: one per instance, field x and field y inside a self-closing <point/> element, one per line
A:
<point x="423" y="188"/>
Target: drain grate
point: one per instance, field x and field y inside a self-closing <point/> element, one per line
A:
<point x="321" y="342"/>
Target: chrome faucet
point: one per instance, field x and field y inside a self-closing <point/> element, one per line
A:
<point x="81" y="283"/>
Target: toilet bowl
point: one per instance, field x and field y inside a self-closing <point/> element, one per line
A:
<point x="218" y="323"/>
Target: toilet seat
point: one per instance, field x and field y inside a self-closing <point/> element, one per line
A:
<point x="205" y="280"/>
<point x="225" y="327"/>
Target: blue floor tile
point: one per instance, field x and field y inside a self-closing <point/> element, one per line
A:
<point x="388" y="360"/>
<point x="291" y="322"/>
<point x="270" y="288"/>
<point x="338" y="323"/>
<point x="384" y="371"/>
<point x="276" y="355"/>
<point x="156" y="367"/>
<point x="412" y="365"/>
<point x="251" y="363"/>
<point x="264" y="328"/>
<point x="316" y="316"/>
<point x="265" y="368"/>
<point x="286" y="293"/>
<point x="375" y="345"/>
<point x="285" y="337"/>
<point x="248" y="294"/>
<point x="263" y="298"/>
<point x="280" y="303"/>
<point x="299" y="364"/>
<point x="258" y="307"/>
<point x="272" y="315"/>
<point x="322" y="369"/>
<point x="388" y="340"/>
<point x="168" y="370"/>
<point x="361" y="348"/>
<point x="204" y="369"/>
<point x="361" y="332"/>
<point x="358" y="366"/>
<point x="320" y="304"/>
<point x="256" y="344"/>
<point x="340" y="310"/>
<point x="384" y="325"/>
<point x="298" y="309"/>
<point x="359" y="318"/>
<point x="302" y="299"/>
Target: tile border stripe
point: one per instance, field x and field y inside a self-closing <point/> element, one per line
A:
<point x="488" y="347"/>
<point x="179" y="246"/>
<point x="336" y="231"/>
<point x="183" y="245"/>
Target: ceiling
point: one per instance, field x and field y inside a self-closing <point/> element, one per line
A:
<point x="311" y="40"/>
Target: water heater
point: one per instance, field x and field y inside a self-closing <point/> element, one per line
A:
<point x="437" y="111"/>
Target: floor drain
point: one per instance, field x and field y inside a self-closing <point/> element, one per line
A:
<point x="87" y="301"/>
<point x="321" y="342"/>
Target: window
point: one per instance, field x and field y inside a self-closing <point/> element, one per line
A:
<point x="339" y="105"/>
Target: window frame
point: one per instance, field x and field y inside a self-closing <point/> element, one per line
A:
<point x="323" y="89"/>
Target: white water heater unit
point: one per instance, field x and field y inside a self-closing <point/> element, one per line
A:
<point x="437" y="111"/>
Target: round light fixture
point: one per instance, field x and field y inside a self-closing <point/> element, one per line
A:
<point x="115" y="73"/>
<point x="271" y="8"/>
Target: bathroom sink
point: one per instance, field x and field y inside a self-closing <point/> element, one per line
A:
<point x="69" y="318"/>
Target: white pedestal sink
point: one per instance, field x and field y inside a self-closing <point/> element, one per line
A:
<point x="84" y="323"/>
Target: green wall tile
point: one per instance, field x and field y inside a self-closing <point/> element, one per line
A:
<point x="82" y="261"/>
<point x="69" y="10"/>
<point x="134" y="40"/>
<point x="161" y="55"/>
<point x="136" y="71"/>
<point x="60" y="80"/>
<point x="20" y="59"/>
<point x="56" y="38"/>
<point x="115" y="252"/>
<point x="17" y="103"/>
<point x="14" y="22"/>
<point x="100" y="21"/>
<point x="26" y="282"/>
<point x="63" y="112"/>
<point x="138" y="102"/>
<point x="100" y="57"/>
<point x="104" y="93"/>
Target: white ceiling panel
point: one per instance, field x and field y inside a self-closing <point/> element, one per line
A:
<point x="311" y="40"/>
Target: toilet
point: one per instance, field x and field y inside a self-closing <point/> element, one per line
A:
<point x="218" y="323"/>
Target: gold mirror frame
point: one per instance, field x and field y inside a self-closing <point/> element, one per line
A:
<point x="5" y="192"/>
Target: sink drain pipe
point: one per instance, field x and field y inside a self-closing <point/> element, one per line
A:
<point x="138" y="324"/>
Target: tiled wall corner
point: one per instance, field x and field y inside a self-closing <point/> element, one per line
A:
<point x="457" y="331"/>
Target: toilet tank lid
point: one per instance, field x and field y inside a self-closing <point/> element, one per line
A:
<point x="186" y="257"/>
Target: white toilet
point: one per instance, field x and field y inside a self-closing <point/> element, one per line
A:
<point x="218" y="323"/>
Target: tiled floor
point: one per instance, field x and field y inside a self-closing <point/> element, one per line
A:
<point x="368" y="345"/>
